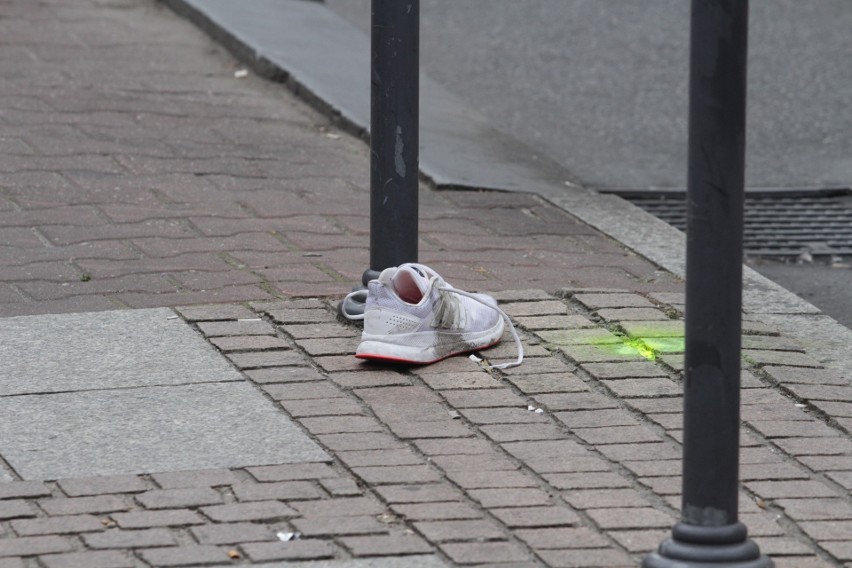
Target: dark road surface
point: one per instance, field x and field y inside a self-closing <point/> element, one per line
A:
<point x="600" y="87"/>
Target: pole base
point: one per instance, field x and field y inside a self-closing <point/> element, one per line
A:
<point x="707" y="547"/>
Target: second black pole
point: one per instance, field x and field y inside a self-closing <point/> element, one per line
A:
<point x="709" y="532"/>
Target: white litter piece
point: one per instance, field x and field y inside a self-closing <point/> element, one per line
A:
<point x="172" y="318"/>
<point x="288" y="536"/>
<point x="454" y="414"/>
<point x="474" y="358"/>
<point x="539" y="411"/>
<point x="801" y="405"/>
<point x="249" y="319"/>
<point x="332" y="135"/>
<point x="531" y="408"/>
<point x="241" y="73"/>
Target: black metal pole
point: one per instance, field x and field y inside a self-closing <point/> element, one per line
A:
<point x="394" y="116"/>
<point x="394" y="138"/>
<point x="709" y="532"/>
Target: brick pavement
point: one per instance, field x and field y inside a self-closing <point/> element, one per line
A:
<point x="136" y="170"/>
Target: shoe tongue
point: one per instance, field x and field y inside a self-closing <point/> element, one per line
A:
<point x="410" y="284"/>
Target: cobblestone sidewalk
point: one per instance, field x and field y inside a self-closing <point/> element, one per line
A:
<point x="138" y="170"/>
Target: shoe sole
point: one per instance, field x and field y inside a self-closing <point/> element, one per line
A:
<point x="404" y="361"/>
<point x="376" y="349"/>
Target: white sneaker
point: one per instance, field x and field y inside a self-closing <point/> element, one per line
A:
<point x="413" y="316"/>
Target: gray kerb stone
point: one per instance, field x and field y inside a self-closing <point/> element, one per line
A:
<point x="121" y="408"/>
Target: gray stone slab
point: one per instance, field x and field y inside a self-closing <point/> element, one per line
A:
<point x="148" y="430"/>
<point x="116" y="349"/>
<point x="420" y="561"/>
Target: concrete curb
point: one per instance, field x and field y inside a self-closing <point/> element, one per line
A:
<point x="325" y="60"/>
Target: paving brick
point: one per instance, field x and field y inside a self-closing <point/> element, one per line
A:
<point x="271" y="375"/>
<point x="630" y="518"/>
<point x="397" y="474"/>
<point x="463" y="446"/>
<point x="503" y="415"/>
<point x="89" y="559"/>
<point x="474" y="479"/>
<point x="230" y="344"/>
<point x="232" y="533"/>
<point x="178" y="498"/>
<point x="304" y="391"/>
<point x="292" y="472"/>
<point x="616" y="435"/>
<point x="253" y="326"/>
<point x="819" y="392"/>
<point x="187" y="555"/>
<point x="400" y="456"/>
<point x="603" y="418"/>
<point x="339" y="526"/>
<point x="479" y="462"/>
<point x="642" y="541"/>
<point x="790" y="489"/>
<point x="301" y="316"/>
<point x="417" y="493"/>
<point x="517" y="432"/>
<point x="86" y="486"/>
<point x="528" y="517"/>
<point x="80" y="505"/>
<point x="34" y="545"/>
<point x="597" y="301"/>
<point x="283" y="490"/>
<point x="372" y="378"/>
<point x="643" y="388"/>
<point x="447" y="531"/>
<point x="115" y="538"/>
<point x="196" y="478"/>
<point x="338" y="424"/>
<point x="296" y="550"/>
<point x="57" y="525"/>
<point x="440" y="511"/>
<point x="601" y="480"/>
<point x="579" y="557"/>
<point x="483" y="552"/>
<point x="215" y="312"/>
<point x="15" y="509"/>
<point x="561" y="537"/>
<point x="359" y="441"/>
<point x="318" y="407"/>
<point x="11" y="563"/>
<point x="575" y="401"/>
<point x="629" y="370"/>
<point x="22" y="489"/>
<point x="432" y="429"/>
<point x="483" y="399"/>
<point x="150" y="519"/>
<point x="785" y="358"/>
<point x="340" y="507"/>
<point x="816" y="509"/>
<point x="380" y="545"/>
<point x="815" y="446"/>
<point x="341" y="487"/>
<point x="319" y="330"/>
<point x="250" y="511"/>
<point x="827" y="530"/>
<point x="632" y="314"/>
<point x="467" y="380"/>
<point x="603" y="498"/>
<point x="572" y="321"/>
<point x="263" y="359"/>
<point x="827" y="462"/>
<point x="573" y="464"/>
<point x="670" y="328"/>
<point x="805" y="376"/>
<point x="540" y="366"/>
<point x="513" y="497"/>
<point x="549" y="448"/>
<point x="545" y="307"/>
<point x="549" y="383"/>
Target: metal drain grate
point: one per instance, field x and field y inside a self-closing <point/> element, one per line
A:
<point x="775" y="225"/>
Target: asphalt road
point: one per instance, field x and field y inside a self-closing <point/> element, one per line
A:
<point x="600" y="86"/>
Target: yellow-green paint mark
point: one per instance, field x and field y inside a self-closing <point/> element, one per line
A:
<point x="628" y="347"/>
<point x="665" y="344"/>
